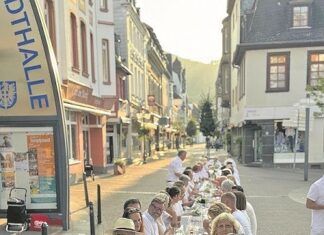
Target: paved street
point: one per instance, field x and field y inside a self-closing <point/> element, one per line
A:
<point x="278" y="195"/>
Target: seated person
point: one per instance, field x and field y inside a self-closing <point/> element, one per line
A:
<point x="213" y="211"/>
<point x="135" y="215"/>
<point x="124" y="226"/>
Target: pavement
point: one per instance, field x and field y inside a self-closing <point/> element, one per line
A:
<point x="79" y="222"/>
<point x="114" y="190"/>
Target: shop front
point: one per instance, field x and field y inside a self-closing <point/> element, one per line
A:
<point x="86" y="117"/>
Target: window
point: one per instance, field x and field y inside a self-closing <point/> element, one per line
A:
<point x="105" y="61"/>
<point x="300" y="16"/>
<point x="315" y="68"/>
<point x="74" y="42"/>
<point x="226" y="79"/>
<point x="226" y="40"/>
<point x="241" y="75"/>
<point x="71" y="125"/>
<point x="50" y="21"/>
<point x="104" y="5"/>
<point x="93" y="76"/>
<point x="84" y="50"/>
<point x="278" y="72"/>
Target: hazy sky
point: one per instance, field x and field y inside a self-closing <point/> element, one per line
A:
<point x="188" y="28"/>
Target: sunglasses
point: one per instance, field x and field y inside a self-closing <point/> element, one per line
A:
<point x="132" y="210"/>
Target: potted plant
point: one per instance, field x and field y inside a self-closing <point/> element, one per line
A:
<point x="119" y="167"/>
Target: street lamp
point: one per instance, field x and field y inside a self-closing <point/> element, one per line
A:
<point x="307" y="104"/>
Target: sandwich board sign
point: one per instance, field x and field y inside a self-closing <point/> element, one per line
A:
<point x="32" y="123"/>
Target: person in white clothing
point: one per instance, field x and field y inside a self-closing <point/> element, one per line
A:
<point x="175" y="168"/>
<point x="229" y="199"/>
<point x="249" y="210"/>
<point x="150" y="216"/>
<point x="315" y="202"/>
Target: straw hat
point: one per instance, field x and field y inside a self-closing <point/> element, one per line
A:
<point x="123" y="223"/>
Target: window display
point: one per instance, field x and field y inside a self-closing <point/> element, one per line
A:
<point x="28" y="161"/>
<point x="285" y="139"/>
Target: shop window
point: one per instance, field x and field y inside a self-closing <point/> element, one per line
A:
<point x="285" y="139"/>
<point x="27" y="159"/>
<point x="71" y="125"/>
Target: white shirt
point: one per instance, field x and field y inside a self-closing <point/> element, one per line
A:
<point x="196" y="177"/>
<point x="178" y="208"/>
<point x="150" y="225"/>
<point x="316" y="194"/>
<point x="174" y="167"/>
<point x="244" y="220"/>
<point x="250" y="212"/>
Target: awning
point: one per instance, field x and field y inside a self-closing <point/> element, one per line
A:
<point x="87" y="108"/>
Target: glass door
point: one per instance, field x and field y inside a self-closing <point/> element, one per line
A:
<point x="257" y="145"/>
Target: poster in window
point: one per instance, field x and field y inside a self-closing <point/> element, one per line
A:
<point x="8" y="179"/>
<point x="21" y="161"/>
<point x="41" y="147"/>
<point x="7" y="161"/>
<point x="34" y="185"/>
<point x="5" y="140"/>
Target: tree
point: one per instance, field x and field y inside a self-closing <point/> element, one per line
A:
<point x="207" y="123"/>
<point x="191" y="128"/>
<point x="317" y="93"/>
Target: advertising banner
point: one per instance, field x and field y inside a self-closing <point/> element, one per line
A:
<point x="25" y="85"/>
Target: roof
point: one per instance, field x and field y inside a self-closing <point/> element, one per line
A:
<point x="268" y="25"/>
<point x="271" y="22"/>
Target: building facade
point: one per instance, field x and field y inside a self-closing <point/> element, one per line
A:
<point x="82" y="36"/>
<point x="271" y="69"/>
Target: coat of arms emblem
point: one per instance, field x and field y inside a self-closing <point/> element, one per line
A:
<point x="8" y="94"/>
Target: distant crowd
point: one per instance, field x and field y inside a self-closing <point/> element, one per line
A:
<point x="205" y="198"/>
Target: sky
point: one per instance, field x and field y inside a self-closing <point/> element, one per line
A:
<point x="188" y="28"/>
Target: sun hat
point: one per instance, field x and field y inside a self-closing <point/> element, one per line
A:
<point x="124" y="223"/>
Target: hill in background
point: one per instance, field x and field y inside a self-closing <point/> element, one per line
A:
<point x="200" y="77"/>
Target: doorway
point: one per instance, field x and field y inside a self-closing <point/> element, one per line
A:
<point x="257" y="145"/>
<point x="110" y="149"/>
<point x="86" y="138"/>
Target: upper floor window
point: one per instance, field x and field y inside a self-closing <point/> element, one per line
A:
<point x="300" y="16"/>
<point x="226" y="40"/>
<point x="92" y="57"/>
<point x="74" y="42"/>
<point x="104" y="5"/>
<point x="49" y="14"/>
<point x="278" y="71"/>
<point x="226" y="79"/>
<point x="316" y="68"/>
<point x="105" y="62"/>
<point x="84" y="50"/>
